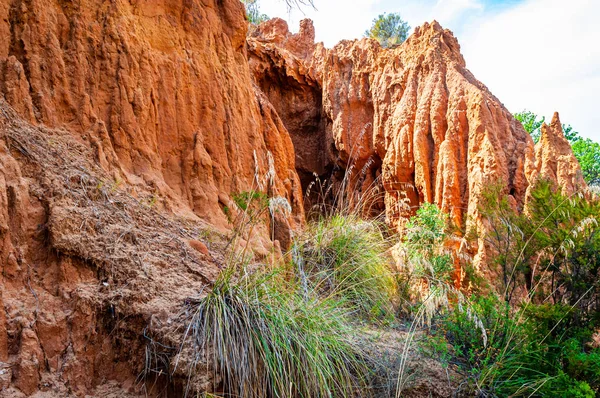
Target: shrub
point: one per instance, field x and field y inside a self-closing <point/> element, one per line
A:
<point x="388" y="29"/>
<point x="503" y="352"/>
<point x="566" y="231"/>
<point x="532" y="343"/>
<point x="427" y="266"/>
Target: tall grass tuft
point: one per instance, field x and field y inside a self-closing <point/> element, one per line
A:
<point x="266" y="340"/>
<point x="345" y="257"/>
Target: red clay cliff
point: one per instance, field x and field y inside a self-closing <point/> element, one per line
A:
<point x="127" y="127"/>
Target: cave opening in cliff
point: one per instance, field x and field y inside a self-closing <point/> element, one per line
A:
<point x="329" y="179"/>
<point x="300" y="107"/>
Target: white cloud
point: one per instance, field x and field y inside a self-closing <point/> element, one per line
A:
<point x="543" y="55"/>
<point x="334" y="19"/>
<point x="449" y="11"/>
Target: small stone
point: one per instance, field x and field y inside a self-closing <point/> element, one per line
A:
<point x="199" y="246"/>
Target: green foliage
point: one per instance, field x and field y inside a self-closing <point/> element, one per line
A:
<point x="552" y="249"/>
<point x="531" y="123"/>
<point x="567" y="230"/>
<point x="528" y="352"/>
<point x="587" y="153"/>
<point x="265" y="339"/>
<point x="388" y="29"/>
<point x="344" y="256"/>
<point x="565" y="386"/>
<point x="253" y="13"/>
<point x="505" y="235"/>
<point x="254" y="200"/>
<point x="424" y="239"/>
<point x="584" y="365"/>
<point x="427" y="227"/>
<point x="570" y="134"/>
<point x="436" y="346"/>
<point x="426" y="261"/>
<point x="551" y="254"/>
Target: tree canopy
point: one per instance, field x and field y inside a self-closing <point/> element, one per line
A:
<point x="531" y="123"/>
<point x="588" y="154"/>
<point x="253" y="12"/>
<point x="388" y="29"/>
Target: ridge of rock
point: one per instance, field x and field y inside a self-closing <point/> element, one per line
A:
<point x="127" y="129"/>
<point x="412" y="122"/>
<point x="554" y="159"/>
<point x="413" y="114"/>
<point x="155" y="88"/>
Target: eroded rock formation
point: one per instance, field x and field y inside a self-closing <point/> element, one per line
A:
<point x="411" y="123"/>
<point x="160" y="90"/>
<point x="126" y="128"/>
<point x="279" y="69"/>
<point x="91" y="274"/>
<point x="412" y="118"/>
<point x="554" y="159"/>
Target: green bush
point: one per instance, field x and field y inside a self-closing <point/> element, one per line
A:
<point x="388" y="29"/>
<point x="533" y="343"/>
<point x="528" y="352"/>
<point x="565" y="230"/>
<point x="427" y="266"/>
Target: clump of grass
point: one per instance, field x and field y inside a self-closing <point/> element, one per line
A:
<point x="345" y="257"/>
<point x="264" y="339"/>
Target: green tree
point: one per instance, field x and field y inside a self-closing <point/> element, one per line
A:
<point x="388" y="29"/>
<point x="531" y="123"/>
<point x="570" y="134"/>
<point x="253" y="13"/>
<point x="586" y="151"/>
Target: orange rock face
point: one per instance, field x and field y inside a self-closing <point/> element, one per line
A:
<point x="412" y="119"/>
<point x="554" y="159"/>
<point x="277" y="60"/>
<point x="133" y="123"/>
<point x="161" y="90"/>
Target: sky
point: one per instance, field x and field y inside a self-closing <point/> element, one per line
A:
<point x="539" y="55"/>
